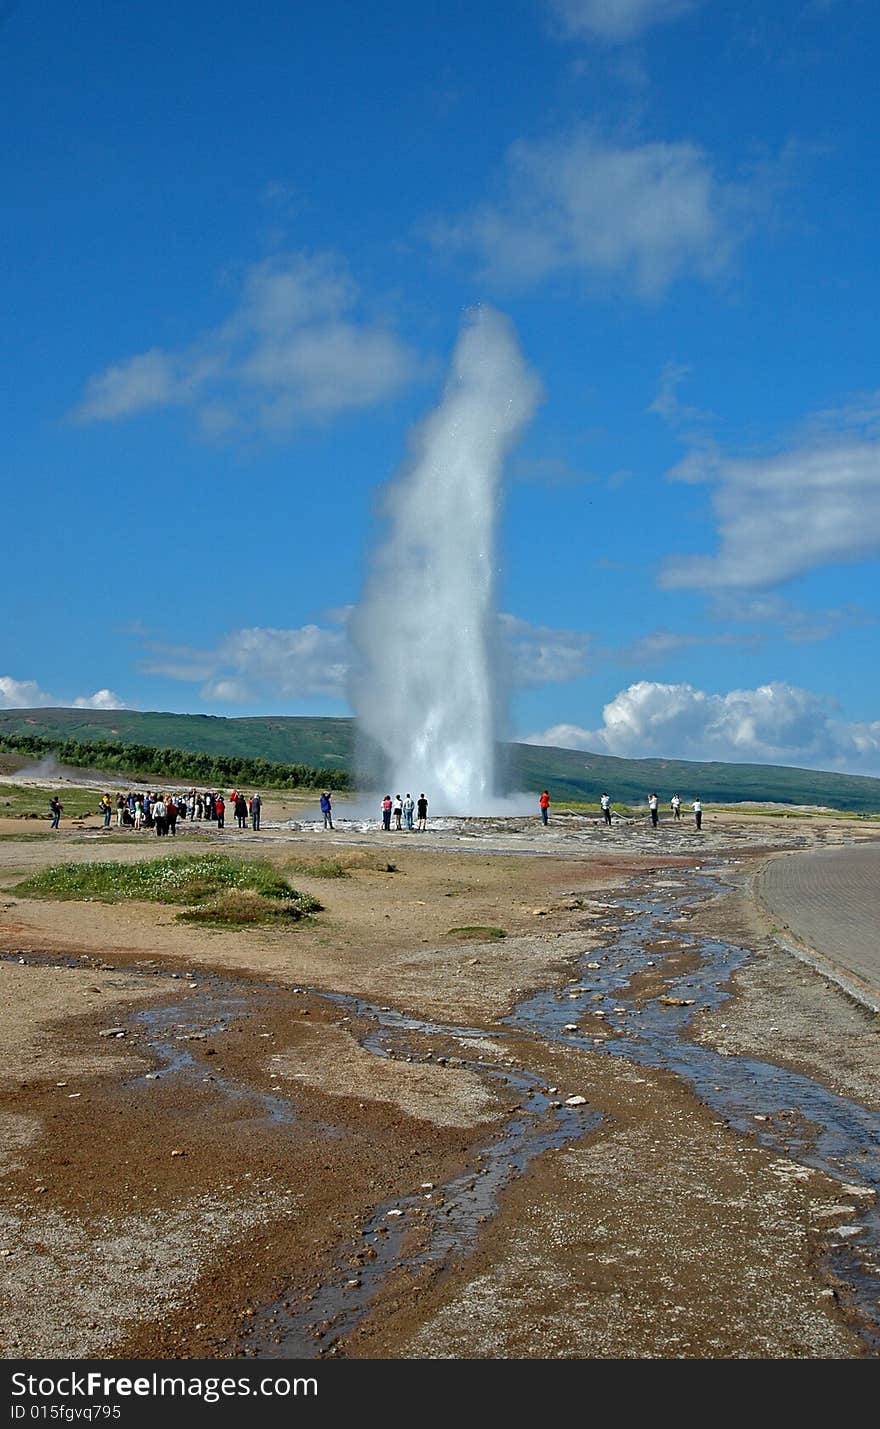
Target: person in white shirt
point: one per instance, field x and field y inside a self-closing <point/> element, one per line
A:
<point x="675" y="803"/>
<point x="698" y="813"/>
<point x="653" y="806"/>
<point x="605" y="806"/>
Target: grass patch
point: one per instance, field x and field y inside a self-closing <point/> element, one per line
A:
<point x="23" y="801"/>
<point x="340" y="865"/>
<point x="190" y="879"/>
<point x="477" y="934"/>
<point x="319" y="867"/>
<point x="241" y="907"/>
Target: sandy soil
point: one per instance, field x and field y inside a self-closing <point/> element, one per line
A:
<point x="230" y="1153"/>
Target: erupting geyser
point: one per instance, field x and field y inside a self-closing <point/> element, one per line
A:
<point x="426" y="690"/>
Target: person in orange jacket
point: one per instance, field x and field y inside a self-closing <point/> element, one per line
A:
<point x="544" y="802"/>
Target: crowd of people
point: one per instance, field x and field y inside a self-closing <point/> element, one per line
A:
<point x="403" y="811"/>
<point x="161" y="812"/>
<point x="653" y="808"/>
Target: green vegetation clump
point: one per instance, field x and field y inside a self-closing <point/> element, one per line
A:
<point x="23" y="801"/>
<point x="341" y="865"/>
<point x="477" y="934"/>
<point x="212" y="770"/>
<point x="194" y="879"/>
<point x="239" y="907"/>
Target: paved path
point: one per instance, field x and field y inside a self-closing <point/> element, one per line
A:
<point x="830" y="900"/>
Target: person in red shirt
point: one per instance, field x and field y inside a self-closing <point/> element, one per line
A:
<point x="219" y="810"/>
<point x="544" y="802"/>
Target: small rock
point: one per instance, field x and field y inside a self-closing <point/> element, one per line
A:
<point x="570" y="1027"/>
<point x="178" y="1152"/>
<point x="394" y="1213"/>
<point x="112" y="1032"/>
<point x="575" y="1101"/>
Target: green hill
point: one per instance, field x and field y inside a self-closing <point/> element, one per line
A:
<point x="567" y="773"/>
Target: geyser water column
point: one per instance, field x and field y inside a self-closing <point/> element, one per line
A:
<point x="426" y="688"/>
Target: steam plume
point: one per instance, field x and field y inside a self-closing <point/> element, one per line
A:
<point x="426" y="690"/>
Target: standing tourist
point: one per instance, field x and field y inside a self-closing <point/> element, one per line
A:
<point x="675" y="803"/>
<point x="160" y="816"/>
<point x="544" y="803"/>
<point x="171" y="813"/>
<point x="698" y="813"/>
<point x="386" y="812"/>
<point x="105" y="807"/>
<point x="121" y="805"/>
<point x="239" y="803"/>
<point x="422" y="812"/>
<point x="408" y="811"/>
<point x="57" y="809"/>
<point x="327" y="809"/>
<point x="398" y="811"/>
<point x="138" y="814"/>
<point x="605" y="806"/>
<point x="653" y="805"/>
<point x="219" y="810"/>
<point x="256" y="806"/>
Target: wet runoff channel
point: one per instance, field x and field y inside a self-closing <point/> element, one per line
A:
<point x="783" y="1111"/>
<point x="435" y="1226"/>
<point x="805" y="1123"/>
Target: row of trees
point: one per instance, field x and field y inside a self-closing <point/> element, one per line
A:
<point x="210" y="770"/>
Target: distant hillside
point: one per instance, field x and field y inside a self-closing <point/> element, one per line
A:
<point x="567" y="773"/>
<point x="575" y="774"/>
<point x="321" y="743"/>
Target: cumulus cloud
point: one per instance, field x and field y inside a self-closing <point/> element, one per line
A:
<point x="27" y="694"/>
<point x="638" y="216"/>
<point x="815" y="504"/>
<point x="101" y="700"/>
<point x="293" y="348"/>
<point x="615" y="20"/>
<point x="22" y="694"/>
<point x="772" y="724"/>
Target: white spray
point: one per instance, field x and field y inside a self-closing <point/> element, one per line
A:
<point x="426" y="688"/>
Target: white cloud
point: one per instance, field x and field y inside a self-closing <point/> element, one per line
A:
<point x="22" y="694"/>
<point x="101" y="700"/>
<point x="641" y="216"/>
<point x="293" y="348"/>
<point x="615" y="20"/>
<point x="541" y="655"/>
<point x="27" y="694"/>
<point x="312" y="660"/>
<point x="772" y="724"/>
<point x="250" y="665"/>
<point x="797" y="625"/>
<point x="816" y="504"/>
<point x="661" y="644"/>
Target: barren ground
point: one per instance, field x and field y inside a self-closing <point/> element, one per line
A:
<point x="214" y="1177"/>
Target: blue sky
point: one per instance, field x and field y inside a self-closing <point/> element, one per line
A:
<point x="238" y="250"/>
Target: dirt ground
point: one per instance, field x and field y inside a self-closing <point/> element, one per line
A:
<point x="273" y="1141"/>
